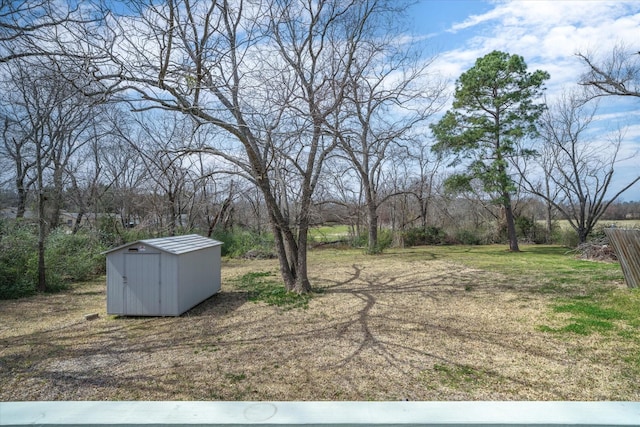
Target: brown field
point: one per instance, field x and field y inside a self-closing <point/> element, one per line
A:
<point x="404" y="325"/>
<point x="619" y="223"/>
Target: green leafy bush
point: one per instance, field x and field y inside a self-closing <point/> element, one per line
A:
<point x="75" y="257"/>
<point x="385" y="240"/>
<point x="18" y="250"/>
<point x="239" y="242"/>
<point x="566" y="237"/>
<point x="424" y="236"/>
<point x="529" y="230"/>
<point x="112" y="234"/>
<point x="468" y="237"/>
<point x="68" y="258"/>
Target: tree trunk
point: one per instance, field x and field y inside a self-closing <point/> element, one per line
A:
<point x="285" y="242"/>
<point x="302" y="284"/>
<point x="56" y="198"/>
<point x="22" y="201"/>
<point x="42" y="233"/>
<point x="372" y="212"/>
<point x="288" y="276"/>
<point x="78" y="220"/>
<point x="511" y="224"/>
<point x="21" y="185"/>
<point x="549" y="223"/>
<point x="372" y="215"/>
<point x="222" y="212"/>
<point x="424" y="206"/>
<point x="172" y="215"/>
<point x="583" y="233"/>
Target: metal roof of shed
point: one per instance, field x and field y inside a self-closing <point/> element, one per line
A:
<point x="175" y="244"/>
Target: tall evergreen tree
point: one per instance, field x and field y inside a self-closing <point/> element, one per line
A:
<point x="494" y="106"/>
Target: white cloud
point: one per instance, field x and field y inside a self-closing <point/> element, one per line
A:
<point x="552" y="30"/>
<point x="475" y="20"/>
<point x="548" y="34"/>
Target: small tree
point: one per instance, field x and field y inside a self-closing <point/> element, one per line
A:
<point x="493" y="108"/>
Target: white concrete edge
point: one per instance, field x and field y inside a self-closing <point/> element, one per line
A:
<point x="448" y="414"/>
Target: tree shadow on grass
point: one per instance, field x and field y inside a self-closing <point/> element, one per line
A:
<point x="371" y="325"/>
<point x="385" y="323"/>
<point x="221" y="303"/>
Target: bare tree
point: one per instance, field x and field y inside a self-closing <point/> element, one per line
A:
<point x="341" y="191"/>
<point x="35" y="108"/>
<point x="543" y="167"/>
<point x="217" y="200"/>
<point x="617" y="75"/>
<point x="26" y="26"/>
<point x="17" y="150"/>
<point x="578" y="170"/>
<point x="47" y="124"/>
<point x="89" y="170"/>
<point x="158" y="142"/>
<point x="389" y="94"/>
<point x="271" y="75"/>
<point x="426" y="181"/>
<point x="123" y="173"/>
<point x="70" y="128"/>
<point x="85" y="188"/>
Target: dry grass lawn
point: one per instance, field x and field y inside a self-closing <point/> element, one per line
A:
<point x="404" y="325"/>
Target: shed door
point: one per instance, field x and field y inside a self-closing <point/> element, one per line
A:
<point x="142" y="284"/>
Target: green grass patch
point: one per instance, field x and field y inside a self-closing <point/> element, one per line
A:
<point x="590" y="310"/>
<point x="550" y="268"/>
<point x="546" y="269"/>
<point x="329" y="233"/>
<point x="616" y="310"/>
<point x="264" y="287"/>
<point x="581" y="326"/>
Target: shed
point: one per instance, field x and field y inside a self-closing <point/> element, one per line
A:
<point x="162" y="277"/>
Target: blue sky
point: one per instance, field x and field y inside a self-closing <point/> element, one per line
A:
<point x="547" y="34"/>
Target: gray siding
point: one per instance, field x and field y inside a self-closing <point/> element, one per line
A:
<point x="115" y="273"/>
<point x="161" y="277"/>
<point x="142" y="283"/>
<point x="170" y="289"/>
<point x="199" y="276"/>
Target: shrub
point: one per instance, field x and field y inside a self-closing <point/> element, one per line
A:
<point x="68" y="258"/>
<point x="385" y="240"/>
<point x="566" y="237"/>
<point x="424" y="236"/>
<point x="239" y="242"/>
<point x="359" y="240"/>
<point x="18" y="250"/>
<point x="74" y="257"/>
<point x="530" y="230"/>
<point x="112" y="234"/>
<point x="468" y="237"/>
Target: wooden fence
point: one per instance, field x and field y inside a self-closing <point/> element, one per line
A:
<point x="626" y="244"/>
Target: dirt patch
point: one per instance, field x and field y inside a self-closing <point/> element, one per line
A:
<point x="384" y="328"/>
